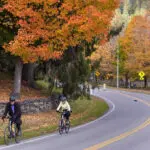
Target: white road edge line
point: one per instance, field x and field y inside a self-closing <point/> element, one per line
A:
<point x="109" y="112"/>
<point x="109" y="102"/>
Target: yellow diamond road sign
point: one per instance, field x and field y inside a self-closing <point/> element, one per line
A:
<point x="97" y="73"/>
<point x="141" y="74"/>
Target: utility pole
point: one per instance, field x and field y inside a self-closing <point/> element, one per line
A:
<point x="118" y="66"/>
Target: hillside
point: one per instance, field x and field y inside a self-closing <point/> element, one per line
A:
<point x="6" y="84"/>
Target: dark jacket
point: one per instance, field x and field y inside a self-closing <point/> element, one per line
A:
<point x="17" y="112"/>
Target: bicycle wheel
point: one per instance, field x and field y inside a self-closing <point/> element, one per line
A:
<point x="18" y="135"/>
<point x="61" y="127"/>
<point x="67" y="127"/>
<point x="7" y="136"/>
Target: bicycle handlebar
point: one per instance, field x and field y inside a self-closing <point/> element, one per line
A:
<point x="63" y="111"/>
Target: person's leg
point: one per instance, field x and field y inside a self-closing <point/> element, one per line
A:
<point x="18" y="125"/>
<point x="67" y="115"/>
<point x="11" y="130"/>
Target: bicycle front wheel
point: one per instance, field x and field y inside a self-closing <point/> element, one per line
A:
<point x="7" y="136"/>
<point x="18" y="135"/>
<point x="61" y="127"/>
<point x="67" y="127"/>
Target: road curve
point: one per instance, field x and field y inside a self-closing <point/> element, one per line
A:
<point x="125" y="127"/>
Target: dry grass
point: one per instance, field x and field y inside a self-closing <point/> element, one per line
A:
<point x="33" y="122"/>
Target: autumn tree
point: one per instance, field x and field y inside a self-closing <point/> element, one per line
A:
<point x="135" y="43"/>
<point x="105" y="54"/>
<point x="48" y="27"/>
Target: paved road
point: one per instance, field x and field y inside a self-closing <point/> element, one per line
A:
<point x="124" y="127"/>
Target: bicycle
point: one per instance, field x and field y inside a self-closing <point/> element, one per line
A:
<point x="64" y="124"/>
<point x="11" y="132"/>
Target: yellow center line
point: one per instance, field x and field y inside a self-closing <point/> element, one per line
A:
<point x="126" y="134"/>
<point x="120" y="137"/>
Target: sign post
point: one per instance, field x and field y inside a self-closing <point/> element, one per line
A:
<point x="141" y="75"/>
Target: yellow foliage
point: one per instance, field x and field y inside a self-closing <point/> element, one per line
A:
<point x="135" y="43"/>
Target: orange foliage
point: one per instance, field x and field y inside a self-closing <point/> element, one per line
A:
<point x="56" y="25"/>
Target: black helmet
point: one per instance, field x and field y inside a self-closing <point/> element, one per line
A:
<point x="12" y="99"/>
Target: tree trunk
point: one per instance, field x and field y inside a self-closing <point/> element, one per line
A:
<point x="25" y="72"/>
<point x="31" y="69"/>
<point x="28" y="73"/>
<point x="145" y="82"/>
<point x="126" y="80"/>
<point x="17" y="78"/>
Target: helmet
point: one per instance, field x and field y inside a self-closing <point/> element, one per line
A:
<point x="12" y="99"/>
<point x="62" y="98"/>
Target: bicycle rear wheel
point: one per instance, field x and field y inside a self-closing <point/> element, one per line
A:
<point x="7" y="136"/>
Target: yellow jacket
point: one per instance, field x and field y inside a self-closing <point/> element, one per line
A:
<point x="63" y="105"/>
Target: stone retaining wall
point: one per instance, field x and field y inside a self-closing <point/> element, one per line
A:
<point x="33" y="106"/>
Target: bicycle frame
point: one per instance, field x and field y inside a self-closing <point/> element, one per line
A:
<point x="63" y="125"/>
<point x="62" y="118"/>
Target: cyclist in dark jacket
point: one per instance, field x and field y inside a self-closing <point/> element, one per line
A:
<point x="14" y="110"/>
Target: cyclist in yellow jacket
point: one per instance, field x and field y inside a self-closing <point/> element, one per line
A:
<point x="64" y="106"/>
